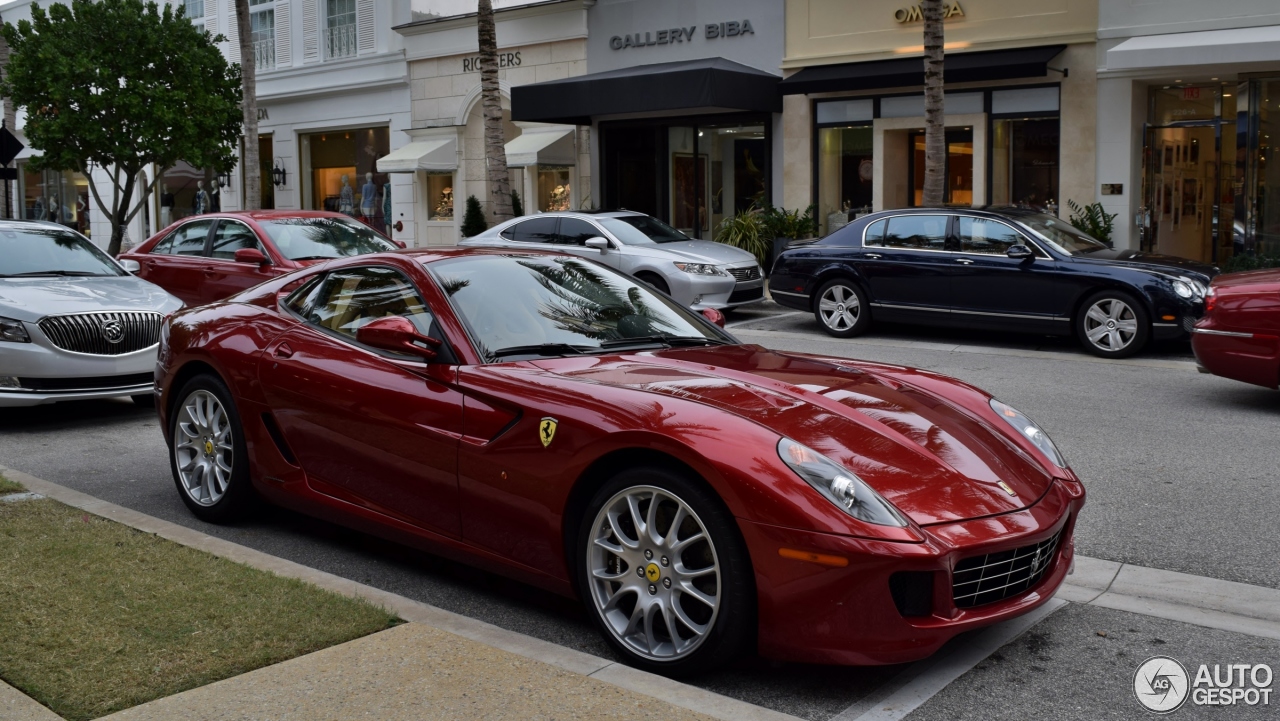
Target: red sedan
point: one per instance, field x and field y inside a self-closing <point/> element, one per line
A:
<point x="206" y="258"/>
<point x="1239" y="335"/>
<point x="555" y="421"/>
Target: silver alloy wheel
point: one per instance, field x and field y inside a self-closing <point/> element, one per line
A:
<point x="1110" y="324"/>
<point x="655" y="578"/>
<point x="839" y="308"/>
<point x="202" y="447"/>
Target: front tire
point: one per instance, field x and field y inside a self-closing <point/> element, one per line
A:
<point x="656" y="281"/>
<point x="207" y="452"/>
<point x="1113" y="324"/>
<point x="665" y="573"/>
<point x="841" y="308"/>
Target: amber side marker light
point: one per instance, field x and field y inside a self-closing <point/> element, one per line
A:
<point x="1168" y="317"/>
<point x="821" y="559"/>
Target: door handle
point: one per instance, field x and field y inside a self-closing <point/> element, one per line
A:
<point x="877" y="256"/>
<point x="283" y="351"/>
<point x="966" y="261"/>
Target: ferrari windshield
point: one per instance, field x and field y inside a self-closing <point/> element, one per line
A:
<point x="542" y="306"/>
<point x="315" y="238"/>
<point x="36" y="251"/>
<point x="1060" y="234"/>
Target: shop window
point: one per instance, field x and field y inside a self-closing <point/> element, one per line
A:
<point x="1025" y="100"/>
<point x="1265" y="168"/>
<point x="554" y="190"/>
<point x="958" y="188"/>
<point x="440" y="196"/>
<point x="1024" y="161"/>
<point x="845" y="175"/>
<point x="185" y="190"/>
<point x="57" y="196"/>
<point x="342" y="174"/>
<point x="846" y="111"/>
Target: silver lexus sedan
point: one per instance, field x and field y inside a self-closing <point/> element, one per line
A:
<point x="73" y="323"/>
<point x="698" y="273"/>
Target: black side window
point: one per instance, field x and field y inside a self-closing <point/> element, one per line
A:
<point x="917" y="232"/>
<point x="189" y="239"/>
<point x="574" y="231"/>
<point x="165" y="247"/>
<point x="232" y="236"/>
<point x="874" y="234"/>
<point x="979" y="235"/>
<point x="536" y="230"/>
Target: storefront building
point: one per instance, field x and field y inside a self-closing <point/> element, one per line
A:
<point x="1019" y="104"/>
<point x="1187" y="105"/>
<point x="549" y="163"/>
<point x="681" y="100"/>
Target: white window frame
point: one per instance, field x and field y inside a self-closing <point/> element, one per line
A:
<point x="264" y="51"/>
<point x="339" y="41"/>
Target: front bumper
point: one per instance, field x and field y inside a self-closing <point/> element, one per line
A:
<point x="819" y="614"/>
<point x="48" y="374"/>
<point x="1176" y="322"/>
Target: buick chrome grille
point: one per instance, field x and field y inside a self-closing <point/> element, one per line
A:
<point x="103" y="333"/>
<point x="745" y="274"/>
<point x="996" y="576"/>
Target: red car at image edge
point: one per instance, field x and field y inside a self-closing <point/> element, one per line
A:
<point x="205" y="258"/>
<point x="1239" y="335"/>
<point x="559" y="423"/>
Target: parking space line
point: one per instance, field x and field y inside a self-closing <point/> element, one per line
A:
<point x="925" y="679"/>
<point x="767" y="318"/>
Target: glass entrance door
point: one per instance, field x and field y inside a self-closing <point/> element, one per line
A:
<point x="1182" y="185"/>
<point x="959" y="167"/>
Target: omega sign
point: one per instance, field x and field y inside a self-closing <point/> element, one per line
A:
<point x="505" y="60"/>
<point x="711" y="31"/>
<point x="914" y="14"/>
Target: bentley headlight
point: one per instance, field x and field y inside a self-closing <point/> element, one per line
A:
<point x="839" y="485"/>
<point x="700" y="268"/>
<point x="13" y="331"/>
<point x="1188" y="288"/>
<point x="1030" y="431"/>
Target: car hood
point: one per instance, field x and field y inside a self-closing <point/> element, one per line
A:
<point x="30" y="299"/>
<point x="1248" y="280"/>
<point x="931" y="458"/>
<point x="697" y="251"/>
<point x="1149" y="261"/>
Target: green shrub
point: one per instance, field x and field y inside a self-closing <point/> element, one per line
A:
<point x="783" y="223"/>
<point x="473" y="222"/>
<point x="1243" y="262"/>
<point x="1093" y="219"/>
<point x="517" y="209"/>
<point x="749" y="231"/>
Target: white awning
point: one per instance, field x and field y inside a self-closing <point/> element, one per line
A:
<point x="542" y="145"/>
<point x="1207" y="47"/>
<point x="431" y="154"/>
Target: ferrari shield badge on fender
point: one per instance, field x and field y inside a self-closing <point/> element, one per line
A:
<point x="1002" y="484"/>
<point x="547" y="431"/>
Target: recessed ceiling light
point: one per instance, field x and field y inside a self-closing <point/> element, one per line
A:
<point x="1226" y="95"/>
<point x="1177" y="81"/>
<point x="1213" y="78"/>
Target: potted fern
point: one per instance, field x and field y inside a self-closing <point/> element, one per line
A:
<point x="1093" y="219"/>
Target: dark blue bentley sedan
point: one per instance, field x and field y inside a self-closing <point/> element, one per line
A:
<point x="996" y="268"/>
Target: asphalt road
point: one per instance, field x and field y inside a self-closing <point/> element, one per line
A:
<point x="1178" y="467"/>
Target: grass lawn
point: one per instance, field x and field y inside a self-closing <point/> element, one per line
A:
<point x="8" y="486"/>
<point x="96" y="617"/>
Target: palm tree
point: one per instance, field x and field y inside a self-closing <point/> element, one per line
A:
<point x="935" y="131"/>
<point x="9" y="122"/>
<point x="495" y="151"/>
<point x="248" y="74"/>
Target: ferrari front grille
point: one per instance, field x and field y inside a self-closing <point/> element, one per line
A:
<point x="115" y="333"/>
<point x="744" y="274"/>
<point x="996" y="576"/>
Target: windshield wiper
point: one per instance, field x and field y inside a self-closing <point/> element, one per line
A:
<point x="317" y="257"/>
<point x="34" y="273"/>
<point x="666" y="340"/>
<point x="543" y="349"/>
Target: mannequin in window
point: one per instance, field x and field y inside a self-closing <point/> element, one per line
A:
<point x="346" y="198"/>
<point x="56" y="213"/>
<point x="368" y="198"/>
<point x="215" y="198"/>
<point x="38" y="209"/>
<point x="166" y="205"/>
<point x="201" y="204"/>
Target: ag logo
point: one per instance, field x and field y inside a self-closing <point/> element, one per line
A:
<point x="1161" y="684"/>
<point x="547" y="431"/>
<point x="112" y="331"/>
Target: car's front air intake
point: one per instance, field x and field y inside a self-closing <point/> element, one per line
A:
<point x="996" y="576"/>
<point x="114" y="333"/>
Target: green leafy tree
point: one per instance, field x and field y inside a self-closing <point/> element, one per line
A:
<point x="473" y="222"/>
<point x="118" y="86"/>
<point x="517" y="208"/>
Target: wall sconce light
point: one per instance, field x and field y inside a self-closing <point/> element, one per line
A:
<point x="224" y="179"/>
<point x="278" y="174"/>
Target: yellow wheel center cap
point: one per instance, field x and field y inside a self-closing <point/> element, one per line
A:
<point x="208" y="447"/>
<point x="652" y="572"/>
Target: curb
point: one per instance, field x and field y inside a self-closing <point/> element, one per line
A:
<point x="657" y="687"/>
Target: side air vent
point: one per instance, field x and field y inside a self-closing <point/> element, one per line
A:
<point x="277" y="437"/>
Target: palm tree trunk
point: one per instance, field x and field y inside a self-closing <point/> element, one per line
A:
<point x="495" y="150"/>
<point x="10" y="122"/>
<point x="935" y="130"/>
<point x="248" y="71"/>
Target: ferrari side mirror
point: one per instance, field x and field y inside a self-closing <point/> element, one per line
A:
<point x="395" y="333"/>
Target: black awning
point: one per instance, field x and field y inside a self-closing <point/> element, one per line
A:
<point x="900" y="72"/>
<point x="706" y="83"/>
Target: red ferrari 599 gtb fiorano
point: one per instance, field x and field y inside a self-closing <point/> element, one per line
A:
<point x="558" y="422"/>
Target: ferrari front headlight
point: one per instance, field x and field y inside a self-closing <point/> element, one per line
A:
<point x="1029" y="430"/>
<point x="840" y="485"/>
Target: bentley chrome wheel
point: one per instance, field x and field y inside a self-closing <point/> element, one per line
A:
<point x="654" y="575"/>
<point x="839" y="308"/>
<point x="203" y="450"/>
<point x="1110" y="324"/>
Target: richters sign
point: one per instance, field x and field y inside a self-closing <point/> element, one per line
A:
<point x="711" y="31"/>
<point x="914" y="14"/>
<point x="505" y="60"/>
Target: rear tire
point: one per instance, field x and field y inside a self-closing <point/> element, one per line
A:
<point x="207" y="452"/>
<point x="1113" y="324"/>
<point x="840" y="307"/>
<point x="665" y="574"/>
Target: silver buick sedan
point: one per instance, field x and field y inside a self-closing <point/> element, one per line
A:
<point x="73" y="323"/>
<point x="698" y="273"/>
